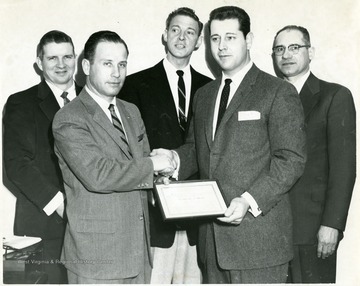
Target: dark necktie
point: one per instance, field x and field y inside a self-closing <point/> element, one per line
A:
<point x="64" y="96"/>
<point x="118" y="126"/>
<point x="182" y="100"/>
<point x="223" y="101"/>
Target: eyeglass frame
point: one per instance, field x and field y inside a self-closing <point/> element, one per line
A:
<point x="289" y="49"/>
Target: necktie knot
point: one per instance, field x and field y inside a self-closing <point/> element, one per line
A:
<point x="180" y="73"/>
<point x="228" y="81"/>
<point x="64" y="96"/>
<point x="111" y="108"/>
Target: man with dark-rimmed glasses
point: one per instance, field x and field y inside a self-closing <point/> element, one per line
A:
<point x="320" y="199"/>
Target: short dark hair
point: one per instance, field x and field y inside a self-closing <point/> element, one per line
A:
<point x="232" y="12"/>
<point x="53" y="36"/>
<point x="302" y="30"/>
<point x="98" y="37"/>
<point x="184" y="11"/>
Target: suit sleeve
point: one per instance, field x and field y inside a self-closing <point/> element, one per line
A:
<point x="341" y="138"/>
<point x="287" y="146"/>
<point x="85" y="159"/>
<point x="20" y="152"/>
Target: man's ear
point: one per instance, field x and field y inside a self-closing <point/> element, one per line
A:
<point x="165" y="36"/>
<point x="86" y="66"/>
<point x="249" y="40"/>
<point x="311" y="51"/>
<point x="39" y="63"/>
<point x="199" y="42"/>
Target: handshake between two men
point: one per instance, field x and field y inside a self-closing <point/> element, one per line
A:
<point x="166" y="162"/>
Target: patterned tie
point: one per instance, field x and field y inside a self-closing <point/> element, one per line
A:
<point x="223" y="101"/>
<point x="182" y="99"/>
<point x="118" y="126"/>
<point x="64" y="96"/>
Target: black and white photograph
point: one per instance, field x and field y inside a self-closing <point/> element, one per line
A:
<point x="110" y="105"/>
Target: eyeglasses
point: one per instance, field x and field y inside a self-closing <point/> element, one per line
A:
<point x="293" y="48"/>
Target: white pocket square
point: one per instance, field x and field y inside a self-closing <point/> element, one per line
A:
<point x="248" y="115"/>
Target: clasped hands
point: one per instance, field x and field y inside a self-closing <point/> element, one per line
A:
<point x="165" y="162"/>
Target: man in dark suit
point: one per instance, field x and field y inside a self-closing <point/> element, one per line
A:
<point x="102" y="148"/>
<point x="155" y="92"/>
<point x="320" y="199"/>
<point x="247" y="133"/>
<point x="29" y="159"/>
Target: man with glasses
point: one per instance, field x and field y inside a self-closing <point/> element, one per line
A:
<point x="321" y="198"/>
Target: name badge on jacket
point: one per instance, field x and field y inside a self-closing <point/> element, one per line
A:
<point x="248" y="115"/>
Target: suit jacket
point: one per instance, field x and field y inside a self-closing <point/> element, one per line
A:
<point x="262" y="154"/>
<point x="107" y="230"/>
<point x="322" y="195"/>
<point x="31" y="166"/>
<point x="150" y="91"/>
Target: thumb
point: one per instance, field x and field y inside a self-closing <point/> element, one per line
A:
<point x="230" y="210"/>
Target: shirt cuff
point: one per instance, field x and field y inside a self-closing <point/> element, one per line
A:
<point x="254" y="207"/>
<point x="56" y="201"/>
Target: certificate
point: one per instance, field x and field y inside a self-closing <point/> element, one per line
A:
<point x="190" y="199"/>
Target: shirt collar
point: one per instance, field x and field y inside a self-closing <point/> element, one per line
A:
<point x="237" y="78"/>
<point x="170" y="69"/>
<point x="104" y="104"/>
<point x="57" y="91"/>
<point x="299" y="83"/>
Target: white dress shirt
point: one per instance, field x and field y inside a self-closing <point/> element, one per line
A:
<point x="58" y="92"/>
<point x="235" y="83"/>
<point x="299" y="83"/>
<point x="173" y="82"/>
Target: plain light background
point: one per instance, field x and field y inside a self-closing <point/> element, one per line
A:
<point x="333" y="25"/>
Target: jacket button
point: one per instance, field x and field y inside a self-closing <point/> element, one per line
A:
<point x="141" y="217"/>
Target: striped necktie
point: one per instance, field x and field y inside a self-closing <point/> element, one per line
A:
<point x="182" y="100"/>
<point x="64" y="96"/>
<point x="118" y="126"/>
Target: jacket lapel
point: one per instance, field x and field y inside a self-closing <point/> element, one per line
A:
<point x="48" y="103"/>
<point x="103" y="121"/>
<point x="243" y="91"/>
<point x="309" y="94"/>
<point x="213" y="91"/>
<point x="129" y="127"/>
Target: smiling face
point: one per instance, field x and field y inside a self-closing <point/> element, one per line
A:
<point x="229" y="47"/>
<point x="106" y="74"/>
<point x="182" y="38"/>
<point x="292" y="66"/>
<point x="58" y="64"/>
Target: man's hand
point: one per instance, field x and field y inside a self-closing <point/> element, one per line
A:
<point x="236" y="211"/>
<point x="162" y="180"/>
<point x="60" y="210"/>
<point x="166" y="169"/>
<point x="328" y="239"/>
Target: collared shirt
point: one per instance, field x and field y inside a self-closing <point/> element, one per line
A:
<point x="58" y="92"/>
<point x="235" y="83"/>
<point x="173" y="82"/>
<point x="104" y="105"/>
<point x="300" y="81"/>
